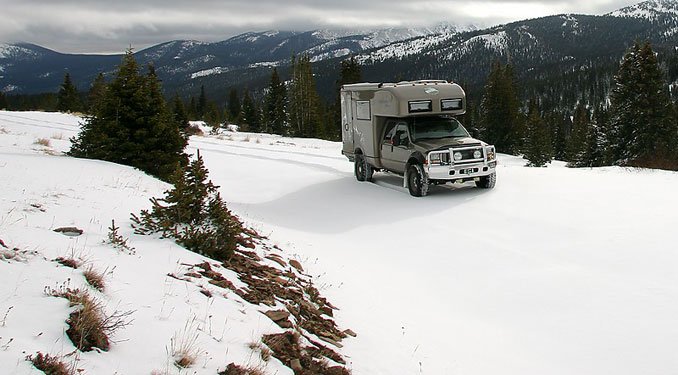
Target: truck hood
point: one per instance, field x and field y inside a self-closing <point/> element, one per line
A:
<point x="436" y="144"/>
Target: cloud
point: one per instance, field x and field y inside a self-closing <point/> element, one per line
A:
<point x="110" y="26"/>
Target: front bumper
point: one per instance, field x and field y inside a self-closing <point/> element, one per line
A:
<point x="441" y="165"/>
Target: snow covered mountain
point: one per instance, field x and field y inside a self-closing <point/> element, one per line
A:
<point x="650" y="10"/>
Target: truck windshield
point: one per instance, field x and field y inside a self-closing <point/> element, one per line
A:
<point x="435" y="127"/>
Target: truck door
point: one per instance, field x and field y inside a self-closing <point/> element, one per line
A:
<point x="395" y="146"/>
<point x="347" y="123"/>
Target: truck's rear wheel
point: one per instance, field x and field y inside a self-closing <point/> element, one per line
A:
<point x="487" y="182"/>
<point x="417" y="181"/>
<point x="363" y="170"/>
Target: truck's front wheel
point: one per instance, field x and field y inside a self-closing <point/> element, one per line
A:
<point x="487" y="182"/>
<point x="417" y="181"/>
<point x="363" y="170"/>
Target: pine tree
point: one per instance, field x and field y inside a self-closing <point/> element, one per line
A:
<point x="234" y="106"/>
<point x="3" y="101"/>
<point x="96" y="93"/>
<point x="304" y="103"/>
<point x="194" y="214"/>
<point x="275" y="106"/>
<point x="576" y="144"/>
<point x="500" y="118"/>
<point x="180" y="116"/>
<point x="538" y="149"/>
<point x="251" y="119"/>
<point x="132" y="125"/>
<point x="68" y="99"/>
<point x="642" y="126"/>
<point x="201" y="106"/>
<point x="350" y="72"/>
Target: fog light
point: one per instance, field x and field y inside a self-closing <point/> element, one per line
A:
<point x="457" y="156"/>
<point x="477" y="154"/>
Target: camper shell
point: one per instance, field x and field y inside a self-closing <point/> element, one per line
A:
<point x="410" y="128"/>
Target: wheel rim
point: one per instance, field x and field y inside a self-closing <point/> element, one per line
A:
<point x="414" y="180"/>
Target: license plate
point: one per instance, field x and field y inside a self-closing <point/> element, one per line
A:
<point x="468" y="171"/>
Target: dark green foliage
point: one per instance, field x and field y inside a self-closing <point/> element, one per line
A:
<point x="538" y="149"/>
<point x="3" y="101"/>
<point x="275" y="106"/>
<point x="96" y="93"/>
<point x="642" y="126"/>
<point x="180" y="116"/>
<point x="68" y="99"/>
<point x="194" y="214"/>
<point x="250" y="117"/>
<point x="349" y="72"/>
<point x="132" y="125"/>
<point x="304" y="103"/>
<point x="234" y="106"/>
<point x="201" y="106"/>
<point x="500" y="118"/>
<point x="576" y="144"/>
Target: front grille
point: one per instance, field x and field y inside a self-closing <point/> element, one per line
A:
<point x="467" y="155"/>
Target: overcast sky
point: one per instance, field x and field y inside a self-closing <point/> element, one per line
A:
<point x="110" y="26"/>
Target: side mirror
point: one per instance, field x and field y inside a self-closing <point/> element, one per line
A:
<point x="475" y="133"/>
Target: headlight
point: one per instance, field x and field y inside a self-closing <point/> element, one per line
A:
<point x="457" y="156"/>
<point x="491" y="155"/>
<point x="477" y="154"/>
<point x="435" y="158"/>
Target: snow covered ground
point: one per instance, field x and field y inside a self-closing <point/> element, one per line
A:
<point x="555" y="271"/>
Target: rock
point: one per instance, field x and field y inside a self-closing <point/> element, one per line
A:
<point x="276" y="315"/>
<point x="295" y="364"/>
<point x="327" y="311"/>
<point x="330" y="341"/>
<point x="277" y="260"/>
<point x="296" y="265"/>
<point x="349" y="332"/>
<point x="69" y="231"/>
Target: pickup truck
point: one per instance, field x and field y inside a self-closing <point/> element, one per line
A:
<point x="411" y="129"/>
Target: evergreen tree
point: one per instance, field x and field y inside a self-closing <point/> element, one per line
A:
<point x="275" y="106"/>
<point x="194" y="214"/>
<point x="68" y="99"/>
<point x="250" y="114"/>
<point x="576" y="144"/>
<point x="213" y="116"/>
<point x="192" y="109"/>
<point x="500" y="118"/>
<point x="304" y="103"/>
<point x="538" y="149"/>
<point x="642" y="126"/>
<point x="180" y="116"/>
<point x="3" y="101"/>
<point x="201" y="106"/>
<point x="234" y="106"/>
<point x="96" y="93"/>
<point x="350" y="72"/>
<point x="132" y="125"/>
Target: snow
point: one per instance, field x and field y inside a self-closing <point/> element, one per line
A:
<point x="650" y="10"/>
<point x="554" y="271"/>
<point x="209" y="72"/>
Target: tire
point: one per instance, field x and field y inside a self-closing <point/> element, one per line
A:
<point x="362" y="169"/>
<point x="487" y="182"/>
<point x="417" y="181"/>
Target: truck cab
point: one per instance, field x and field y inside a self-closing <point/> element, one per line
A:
<point x="411" y="129"/>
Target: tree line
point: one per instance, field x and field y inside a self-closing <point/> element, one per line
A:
<point x="638" y="126"/>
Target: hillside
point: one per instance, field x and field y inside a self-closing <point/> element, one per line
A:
<point x="561" y="59"/>
<point x="554" y="271"/>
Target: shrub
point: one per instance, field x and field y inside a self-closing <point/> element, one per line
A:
<point x="50" y="365"/>
<point x="89" y="327"/>
<point x="194" y="214"/>
<point x="43" y="142"/>
<point x="95" y="278"/>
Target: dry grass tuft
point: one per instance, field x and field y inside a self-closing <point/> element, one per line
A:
<point x="43" y="142"/>
<point x="58" y="136"/>
<point x="95" y="278"/>
<point x="3" y="131"/>
<point x="183" y="345"/>
<point x="68" y="262"/>
<point x="89" y="326"/>
<point x="50" y="365"/>
<point x="264" y="352"/>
